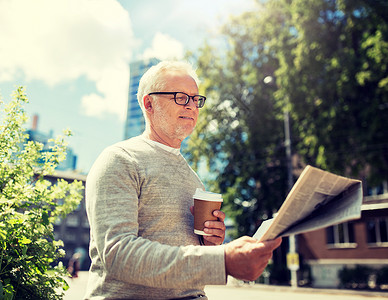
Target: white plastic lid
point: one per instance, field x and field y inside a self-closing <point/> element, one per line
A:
<point x="208" y="196"/>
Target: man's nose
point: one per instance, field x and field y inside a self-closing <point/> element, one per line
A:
<point x="191" y="104"/>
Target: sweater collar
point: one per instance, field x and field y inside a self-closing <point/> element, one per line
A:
<point x="175" y="151"/>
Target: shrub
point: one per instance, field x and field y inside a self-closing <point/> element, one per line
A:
<point x="355" y="277"/>
<point x="382" y="276"/>
<point x="29" y="207"/>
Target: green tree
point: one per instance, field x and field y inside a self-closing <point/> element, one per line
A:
<point x="335" y="79"/>
<point x="329" y="61"/>
<point x="28" y="208"/>
<point x="239" y="138"/>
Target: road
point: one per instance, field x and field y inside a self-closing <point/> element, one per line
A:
<point x="250" y="292"/>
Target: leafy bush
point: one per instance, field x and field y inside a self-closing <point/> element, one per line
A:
<point x="29" y="207"/>
<point x="356" y="278"/>
<point x="382" y="276"/>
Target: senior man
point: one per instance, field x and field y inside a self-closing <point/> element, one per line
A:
<point x="139" y="203"/>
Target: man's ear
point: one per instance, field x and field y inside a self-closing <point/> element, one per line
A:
<point x="147" y="103"/>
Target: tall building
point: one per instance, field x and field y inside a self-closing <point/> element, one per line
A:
<point x="70" y="163"/>
<point x="134" y="124"/>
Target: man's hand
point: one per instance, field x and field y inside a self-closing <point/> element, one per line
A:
<point x="246" y="258"/>
<point x="215" y="228"/>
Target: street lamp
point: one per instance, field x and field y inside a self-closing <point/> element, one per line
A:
<point x="269" y="80"/>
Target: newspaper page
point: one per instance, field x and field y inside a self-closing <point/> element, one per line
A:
<point x="318" y="199"/>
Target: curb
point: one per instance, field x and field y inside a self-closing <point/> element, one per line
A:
<point x="290" y="289"/>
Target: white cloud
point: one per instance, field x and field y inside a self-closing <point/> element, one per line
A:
<point x="164" y="47"/>
<point x="58" y="41"/>
<point x="113" y="87"/>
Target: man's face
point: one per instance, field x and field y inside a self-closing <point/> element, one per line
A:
<point x="171" y="122"/>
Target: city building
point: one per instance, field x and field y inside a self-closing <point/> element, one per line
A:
<point x="134" y="124"/>
<point x="74" y="230"/>
<point x="70" y="163"/>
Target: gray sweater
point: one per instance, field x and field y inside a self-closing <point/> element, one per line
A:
<point x="142" y="245"/>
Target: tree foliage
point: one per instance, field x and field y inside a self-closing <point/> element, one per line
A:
<point x="335" y="78"/>
<point x="328" y="59"/>
<point x="29" y="205"/>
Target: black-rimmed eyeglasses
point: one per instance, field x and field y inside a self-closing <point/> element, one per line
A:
<point x="183" y="99"/>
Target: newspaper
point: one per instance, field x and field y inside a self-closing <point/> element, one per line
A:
<point x="318" y="199"/>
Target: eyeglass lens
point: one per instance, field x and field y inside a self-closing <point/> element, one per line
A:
<point x="183" y="99"/>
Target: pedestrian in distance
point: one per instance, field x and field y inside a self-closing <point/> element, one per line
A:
<point x="74" y="265"/>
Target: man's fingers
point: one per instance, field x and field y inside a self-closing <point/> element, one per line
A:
<point x="215" y="240"/>
<point x="216" y="232"/>
<point x="273" y="244"/>
<point x="215" y="224"/>
<point x="246" y="258"/>
<point x="219" y="214"/>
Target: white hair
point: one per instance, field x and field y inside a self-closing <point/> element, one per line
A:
<point x="153" y="78"/>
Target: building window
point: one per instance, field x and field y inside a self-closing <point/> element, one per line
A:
<point x="69" y="237"/>
<point x="341" y="236"/>
<point x="72" y="221"/>
<point x="378" y="190"/>
<point x="377" y="232"/>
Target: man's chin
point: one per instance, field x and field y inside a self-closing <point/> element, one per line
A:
<point x="183" y="133"/>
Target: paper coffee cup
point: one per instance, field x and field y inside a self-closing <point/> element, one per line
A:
<point x="204" y="205"/>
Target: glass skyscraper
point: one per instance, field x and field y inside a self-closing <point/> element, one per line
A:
<point x="69" y="164"/>
<point x="135" y="124"/>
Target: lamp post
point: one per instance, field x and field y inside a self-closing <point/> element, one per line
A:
<point x="292" y="254"/>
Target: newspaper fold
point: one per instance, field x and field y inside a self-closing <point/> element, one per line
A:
<point x="317" y="200"/>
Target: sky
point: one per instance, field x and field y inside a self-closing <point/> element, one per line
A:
<point x="73" y="58"/>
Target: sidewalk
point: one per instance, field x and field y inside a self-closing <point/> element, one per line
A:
<point x="77" y="286"/>
<point x="247" y="292"/>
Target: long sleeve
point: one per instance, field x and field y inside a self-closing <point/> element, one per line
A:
<point x="142" y="240"/>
